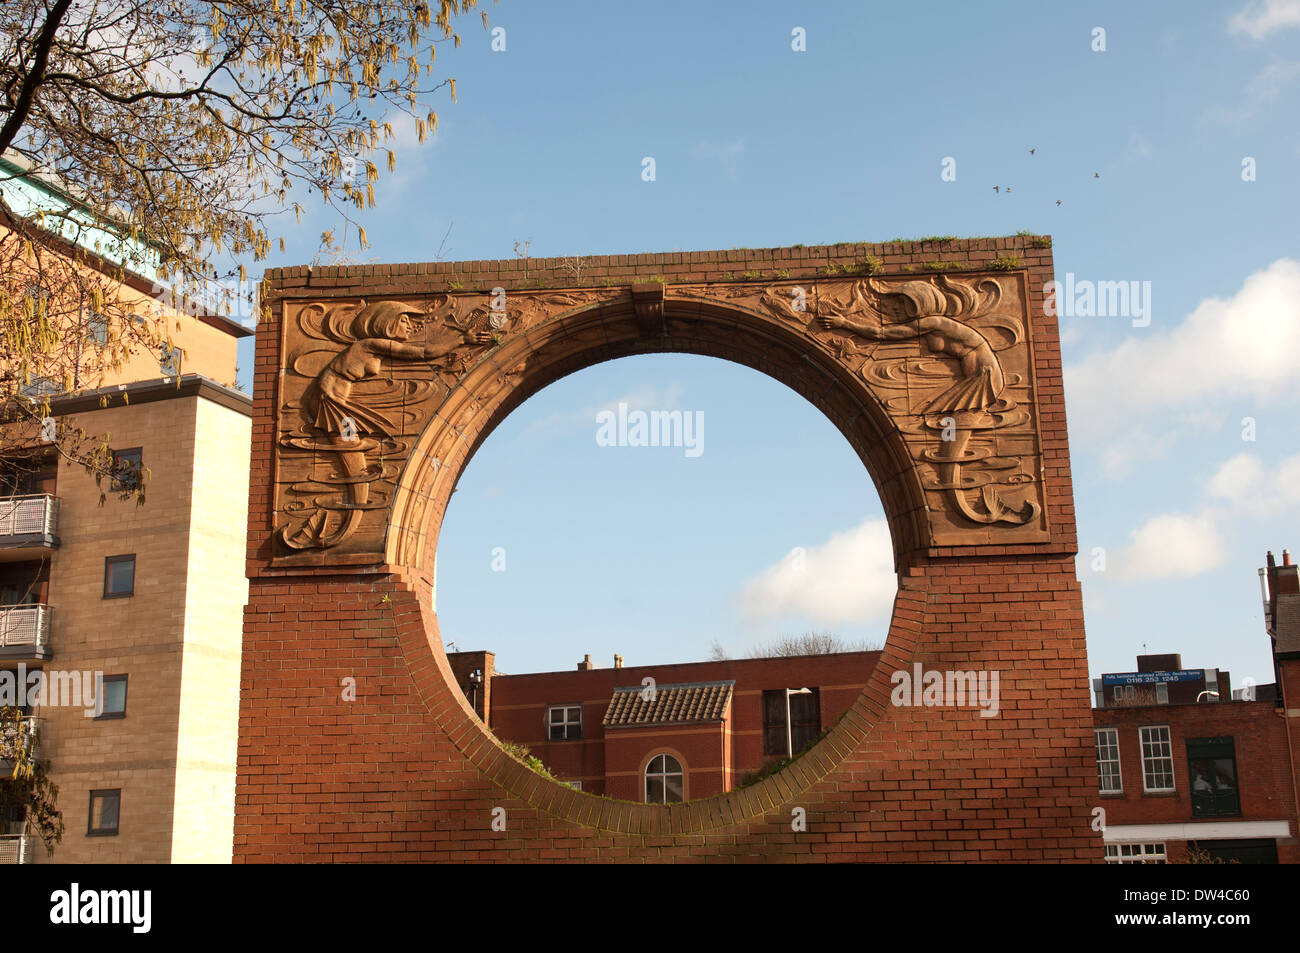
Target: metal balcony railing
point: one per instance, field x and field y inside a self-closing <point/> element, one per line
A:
<point x="24" y="731"/>
<point x="25" y="626"/>
<point x="16" y="849"/>
<point x="29" y="516"/>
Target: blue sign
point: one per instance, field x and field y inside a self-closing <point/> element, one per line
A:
<point x="1154" y="678"/>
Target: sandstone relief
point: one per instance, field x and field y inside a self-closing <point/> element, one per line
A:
<point x="361" y="381"/>
<point x="948" y="359"/>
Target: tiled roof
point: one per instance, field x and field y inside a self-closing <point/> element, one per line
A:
<point x="670" y="704"/>
<point x="1287" y="623"/>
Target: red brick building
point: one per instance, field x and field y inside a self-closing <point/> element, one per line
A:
<point x="665" y="733"/>
<point x="1183" y="761"/>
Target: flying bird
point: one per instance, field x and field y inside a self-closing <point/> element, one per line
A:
<point x="996" y="188"/>
<point x="1032" y="151"/>
<point x="1058" y="201"/>
<point x="1096" y="175"/>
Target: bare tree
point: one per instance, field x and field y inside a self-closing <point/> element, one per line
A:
<point x="810" y="643"/>
<point x="187" y="125"/>
<point x="791" y="646"/>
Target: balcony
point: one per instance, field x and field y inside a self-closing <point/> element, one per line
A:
<point x="13" y="733"/>
<point x="25" y="633"/>
<point x="29" y="526"/>
<point x="16" y="849"/>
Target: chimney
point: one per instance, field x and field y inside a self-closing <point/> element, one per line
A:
<point x="618" y="661"/>
<point x="585" y="665"/>
<point x="1287" y="575"/>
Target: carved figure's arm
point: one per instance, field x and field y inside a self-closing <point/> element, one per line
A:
<point x="396" y="349"/>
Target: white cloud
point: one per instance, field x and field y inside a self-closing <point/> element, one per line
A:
<point x="1138" y="147"/>
<point x="728" y="153"/>
<point x="1170" y="545"/>
<point x="648" y="398"/>
<point x="1237" y="478"/>
<point x="1140" y="444"/>
<point x="1256" y="488"/>
<point x="1260" y="18"/>
<point x="848" y="578"/>
<point x="1264" y="88"/>
<point x="1241" y="347"/>
<point x="1187" y="544"/>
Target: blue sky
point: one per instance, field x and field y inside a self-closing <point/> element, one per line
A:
<point x="653" y="554"/>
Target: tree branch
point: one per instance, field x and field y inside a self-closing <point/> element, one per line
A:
<point x="27" y="93"/>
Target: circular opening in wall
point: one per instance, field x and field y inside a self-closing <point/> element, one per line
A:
<point x="663" y="577"/>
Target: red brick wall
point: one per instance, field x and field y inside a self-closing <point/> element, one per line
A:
<point x="405" y="772"/>
<point x="1264" y="778"/>
<point x="699" y="748"/>
<point x="520" y="702"/>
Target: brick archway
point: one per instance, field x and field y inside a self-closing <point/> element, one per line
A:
<point x="964" y="441"/>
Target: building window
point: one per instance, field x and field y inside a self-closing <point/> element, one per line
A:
<point x="40" y="387"/>
<point x="564" y="722"/>
<point x="1157" y="758"/>
<point x="805" y="721"/>
<point x="169" y="360"/>
<point x="112" y="697"/>
<point x="1135" y="854"/>
<point x="664" y="781"/>
<point x="104" y="809"/>
<point x="119" y="576"/>
<point x="1125" y="693"/>
<point x="1212" y="768"/>
<point x="576" y="785"/>
<point x="1108" y="774"/>
<point x="1162" y="693"/>
<point x="38" y="299"/>
<point x="127" y="467"/>
<point x="97" y="327"/>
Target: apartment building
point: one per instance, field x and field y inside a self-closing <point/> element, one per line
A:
<point x="130" y="615"/>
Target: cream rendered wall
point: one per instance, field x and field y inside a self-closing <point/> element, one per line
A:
<point x="216" y="591"/>
<point x="207" y="350"/>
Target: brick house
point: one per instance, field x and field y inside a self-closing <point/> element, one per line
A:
<point x="1184" y="761"/>
<point x="665" y="733"/>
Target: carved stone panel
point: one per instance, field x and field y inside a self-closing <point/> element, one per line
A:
<point x="360" y="381"/>
<point x="950" y="359"/>
<point x="947" y="358"/>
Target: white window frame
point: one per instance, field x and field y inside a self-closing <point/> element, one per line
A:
<point x="169" y="360"/>
<point x="97" y="327"/>
<point x="1111" y="742"/>
<point x="1124" y="693"/>
<point x="663" y="776"/>
<point x="1162" y="693"/>
<point x="566" y="723"/>
<point x="1137" y="854"/>
<point x="1149" y="760"/>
